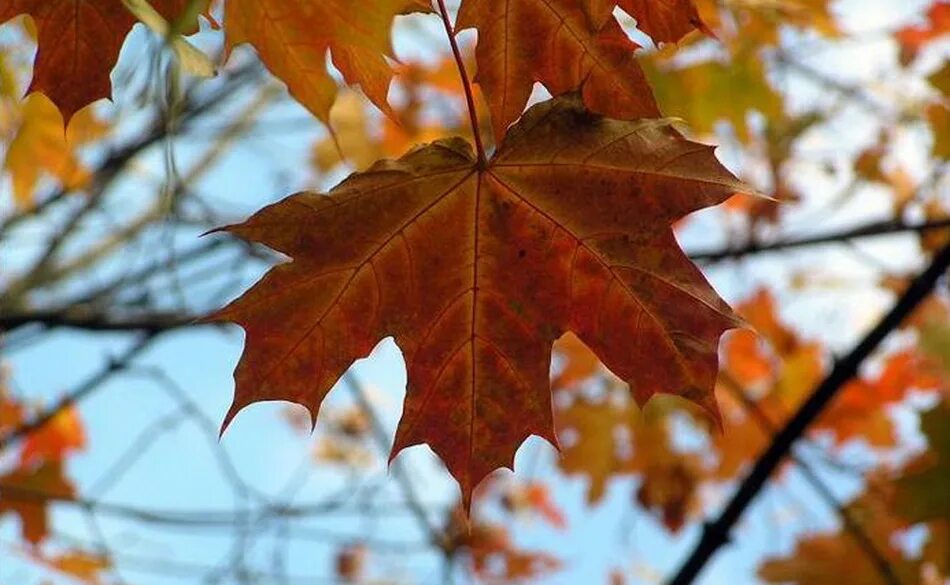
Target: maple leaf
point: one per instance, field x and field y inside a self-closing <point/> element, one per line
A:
<point x="494" y="557"/>
<point x="595" y="449"/>
<point x="921" y="493"/>
<point x="914" y="38"/>
<point x="665" y="21"/>
<point x="860" y="410"/>
<point x="475" y="272"/>
<point x="26" y="493"/>
<point x="579" y="362"/>
<point x="41" y="146"/>
<point x="705" y="92"/>
<point x="293" y="37"/>
<point x="78" y="44"/>
<point x="551" y="42"/>
<point x="55" y="439"/>
<point x="824" y="558"/>
<point x="81" y="566"/>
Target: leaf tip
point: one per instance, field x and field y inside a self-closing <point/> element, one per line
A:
<point x="229" y="418"/>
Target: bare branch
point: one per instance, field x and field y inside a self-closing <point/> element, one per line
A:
<point x="716" y="533"/>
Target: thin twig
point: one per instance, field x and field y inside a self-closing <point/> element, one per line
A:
<point x="382" y="439"/>
<point x="873" y="229"/>
<point x="91" y="384"/>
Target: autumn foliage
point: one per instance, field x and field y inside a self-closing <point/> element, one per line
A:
<point x="513" y="222"/>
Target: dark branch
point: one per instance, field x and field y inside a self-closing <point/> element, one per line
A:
<point x="716" y="534"/>
<point x="878" y="228"/>
<point x="850" y="523"/>
<point x="94" y="321"/>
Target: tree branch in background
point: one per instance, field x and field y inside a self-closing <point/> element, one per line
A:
<point x="716" y="534"/>
<point x="851" y="525"/>
<point x="91" y="384"/>
<point x="873" y="229"/>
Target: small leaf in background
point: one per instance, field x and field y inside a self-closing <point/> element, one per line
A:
<point x="84" y="567"/>
<point x="26" y="493"/>
<point x="54" y="440"/>
<point x="860" y="411"/>
<point x="915" y="37"/>
<point x="493" y="556"/>
<point x="12" y="413"/>
<point x="921" y="492"/>
<point x="577" y="362"/>
<point x="41" y="147"/>
<point x="351" y="563"/>
<point x="533" y="498"/>
<point x="595" y="437"/>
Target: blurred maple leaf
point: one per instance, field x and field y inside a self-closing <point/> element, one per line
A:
<point x="914" y="38"/>
<point x="595" y="437"/>
<point x="860" y="412"/>
<point x="40" y="146"/>
<point x="82" y="566"/>
<point x="759" y="22"/>
<point x="493" y="555"/>
<point x="921" y="491"/>
<point x="26" y="492"/>
<point x="54" y="440"/>
<point x="578" y="363"/>
<point x="533" y="498"/>
<point x="351" y="563"/>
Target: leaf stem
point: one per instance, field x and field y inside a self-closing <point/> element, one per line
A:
<point x="466" y="85"/>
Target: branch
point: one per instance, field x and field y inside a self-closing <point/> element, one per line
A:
<point x="382" y="439"/>
<point x="83" y="391"/>
<point x="873" y="229"/>
<point x="207" y="519"/>
<point x="716" y="534"/>
<point x="851" y="524"/>
<point x="93" y="321"/>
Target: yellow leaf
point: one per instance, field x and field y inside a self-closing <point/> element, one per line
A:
<point x="40" y="144"/>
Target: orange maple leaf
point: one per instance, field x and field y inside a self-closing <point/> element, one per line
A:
<point x="293" y="37"/>
<point x="476" y="271"/>
<point x="55" y="439"/>
<point x="914" y="38"/>
<point x="26" y="493"/>
<point x="79" y="43"/>
<point x="551" y="42"/>
<point x="665" y="21"/>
